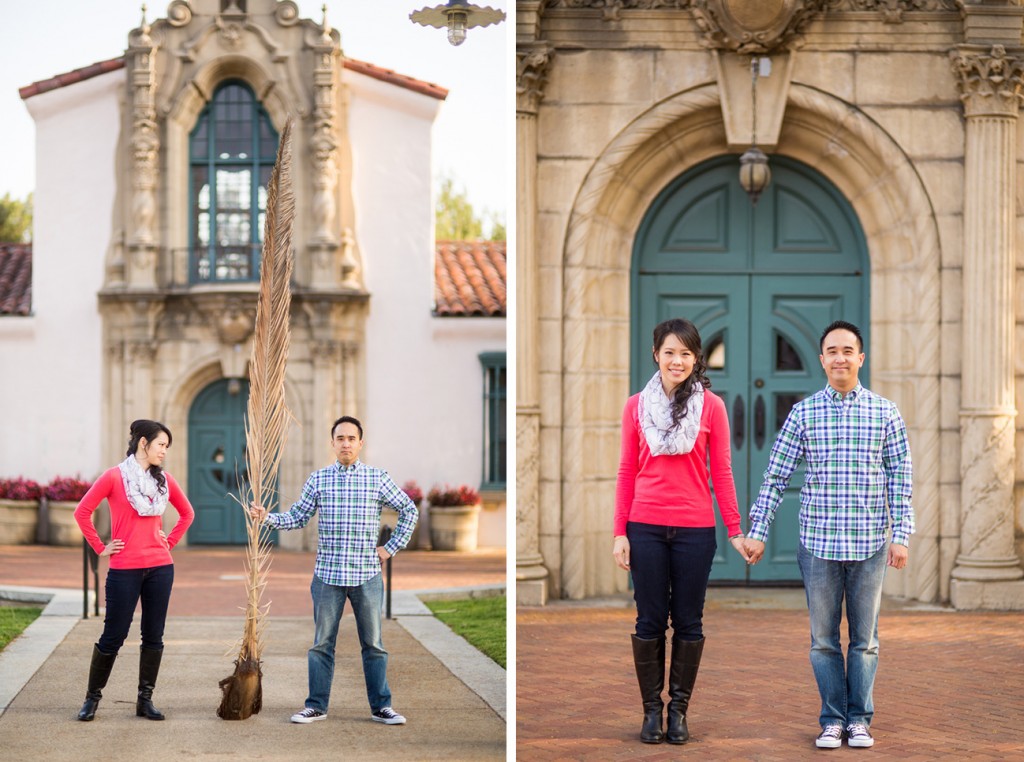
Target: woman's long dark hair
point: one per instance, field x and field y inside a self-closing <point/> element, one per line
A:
<point x="148" y="430"/>
<point x="687" y="333"/>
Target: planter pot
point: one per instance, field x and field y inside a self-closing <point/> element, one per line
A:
<point x="61" y="524"/>
<point x="18" y="521"/>
<point x="389" y="518"/>
<point x="454" y="527"/>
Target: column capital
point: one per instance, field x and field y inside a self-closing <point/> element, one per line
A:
<point x="990" y="79"/>
<point x="532" y="63"/>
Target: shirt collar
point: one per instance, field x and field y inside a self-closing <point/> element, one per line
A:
<point x="347" y="469"/>
<point x="851" y="395"/>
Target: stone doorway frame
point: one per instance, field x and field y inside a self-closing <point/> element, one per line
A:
<point x="902" y="236"/>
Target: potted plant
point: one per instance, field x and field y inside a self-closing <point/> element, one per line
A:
<point x="19" y="511"/>
<point x="389" y="517"/>
<point x="62" y="496"/>
<point x="454" y="517"/>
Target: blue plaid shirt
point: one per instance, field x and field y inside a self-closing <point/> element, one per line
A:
<point x="857" y="458"/>
<point x="349" y="499"/>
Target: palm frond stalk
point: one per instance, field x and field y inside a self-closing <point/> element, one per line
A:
<point x="266" y="423"/>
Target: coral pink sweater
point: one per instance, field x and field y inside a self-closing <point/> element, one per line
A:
<point x="673" y="490"/>
<point x="143" y="546"/>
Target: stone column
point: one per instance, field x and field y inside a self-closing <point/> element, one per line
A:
<point x="145" y="145"/>
<point x="531" y="576"/>
<point x="988" y="572"/>
<point x="324" y="241"/>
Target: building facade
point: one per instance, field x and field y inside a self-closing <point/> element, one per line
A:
<point x="152" y="171"/>
<point x="893" y="136"/>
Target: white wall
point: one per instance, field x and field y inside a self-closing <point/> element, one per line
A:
<point x="50" y="382"/>
<point x="424" y="385"/>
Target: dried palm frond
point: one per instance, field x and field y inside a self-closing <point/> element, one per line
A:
<point x="265" y="428"/>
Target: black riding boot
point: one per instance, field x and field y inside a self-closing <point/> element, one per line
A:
<point x="681" y="677"/>
<point x="649" y="660"/>
<point x="149" y="668"/>
<point x="99" y="673"/>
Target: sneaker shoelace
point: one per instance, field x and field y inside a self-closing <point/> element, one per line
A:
<point x="857" y="729"/>
<point x="833" y="731"/>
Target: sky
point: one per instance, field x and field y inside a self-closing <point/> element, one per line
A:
<point x="42" y="38"/>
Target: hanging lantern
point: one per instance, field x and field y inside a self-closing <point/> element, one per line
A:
<point x="754" y="172"/>
<point x="458" y="16"/>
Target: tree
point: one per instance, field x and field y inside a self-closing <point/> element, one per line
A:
<point x="15" y="219"/>
<point x="456" y="220"/>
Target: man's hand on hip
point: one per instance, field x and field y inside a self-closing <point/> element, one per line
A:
<point x="382" y="554"/>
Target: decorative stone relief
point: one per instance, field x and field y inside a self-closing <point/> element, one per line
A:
<point x="286" y="13"/>
<point x="990" y="82"/>
<point x="179" y="13"/>
<point x="323" y="143"/>
<point x="351" y="272"/>
<point x="752" y="27"/>
<point x="145" y="140"/>
<point x="611" y="8"/>
<point x="531" y="75"/>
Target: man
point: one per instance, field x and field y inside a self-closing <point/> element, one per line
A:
<point x="349" y="495"/>
<point x="855" y="446"/>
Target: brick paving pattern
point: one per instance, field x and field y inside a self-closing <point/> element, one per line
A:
<point x="208" y="580"/>
<point x="949" y="686"/>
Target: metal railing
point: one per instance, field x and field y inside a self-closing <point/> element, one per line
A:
<point x="383" y="537"/>
<point x="90" y="562"/>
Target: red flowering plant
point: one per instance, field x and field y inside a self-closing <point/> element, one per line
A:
<point x="67" y="489"/>
<point x="452" y="496"/>
<point x="19" y="489"/>
<point x="412" y="489"/>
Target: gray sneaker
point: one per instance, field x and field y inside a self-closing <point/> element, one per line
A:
<point x="831" y="737"/>
<point x="857" y="735"/>
<point x="388" y="716"/>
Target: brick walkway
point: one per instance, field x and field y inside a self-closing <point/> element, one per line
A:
<point x="949" y="686"/>
<point x="207" y="580"/>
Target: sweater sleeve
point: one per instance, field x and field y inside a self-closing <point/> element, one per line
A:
<point x="184" y="508"/>
<point x="720" y="455"/>
<point x="99" y="490"/>
<point x="629" y="467"/>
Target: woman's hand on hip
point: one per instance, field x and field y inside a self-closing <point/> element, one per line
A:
<point x="115" y="547"/>
<point x="620" y="550"/>
<point x="163" y="536"/>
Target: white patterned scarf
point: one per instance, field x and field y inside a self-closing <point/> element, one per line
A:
<point x="655" y="416"/>
<point x="141" y="488"/>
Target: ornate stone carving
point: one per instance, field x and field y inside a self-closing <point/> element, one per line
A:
<point x="610" y="8"/>
<point x="235" y="323"/>
<point x="532" y="74"/>
<point x="323" y="144"/>
<point x="145" y="140"/>
<point x="351" y="271"/>
<point x="286" y="13"/>
<point x="179" y="13"/>
<point x="892" y="10"/>
<point x="990" y="83"/>
<point x="754" y="26"/>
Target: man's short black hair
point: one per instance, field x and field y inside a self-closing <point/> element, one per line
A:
<point x="842" y="325"/>
<point x="348" y="419"/>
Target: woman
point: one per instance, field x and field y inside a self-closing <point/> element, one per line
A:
<point x="665" y="520"/>
<point x="137" y="491"/>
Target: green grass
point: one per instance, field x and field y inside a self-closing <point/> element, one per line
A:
<point x="13" y="620"/>
<point x="481" y="621"/>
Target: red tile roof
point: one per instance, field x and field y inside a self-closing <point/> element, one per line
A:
<point x="469" y="279"/>
<point x="15" y="278"/>
<point x="61" y="80"/>
<point x="113" y="64"/>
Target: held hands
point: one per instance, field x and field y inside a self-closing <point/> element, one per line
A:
<point x="739" y="542"/>
<point x="755" y="550"/>
<point x="620" y="550"/>
<point x="115" y="547"/>
<point x="898" y="556"/>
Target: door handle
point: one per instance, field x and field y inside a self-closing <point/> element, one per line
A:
<point x="737" y="422"/>
<point x="759" y="422"/>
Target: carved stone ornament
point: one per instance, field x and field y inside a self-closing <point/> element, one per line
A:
<point x="531" y="75"/>
<point x="179" y="13"/>
<point x="751" y="27"/>
<point x="990" y="82"/>
<point x="611" y="8"/>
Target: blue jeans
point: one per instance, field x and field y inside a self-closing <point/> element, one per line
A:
<point x="670" y="568"/>
<point x="328" y="605"/>
<point x="845" y="689"/>
<point x="124" y="589"/>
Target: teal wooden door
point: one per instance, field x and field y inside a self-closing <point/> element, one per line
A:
<point x="760" y="283"/>
<point x="216" y="447"/>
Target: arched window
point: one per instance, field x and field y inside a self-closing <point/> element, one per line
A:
<point x="232" y="151"/>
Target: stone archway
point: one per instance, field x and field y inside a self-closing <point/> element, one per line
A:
<point x="899" y="225"/>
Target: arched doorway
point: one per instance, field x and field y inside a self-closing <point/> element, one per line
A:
<point x="760" y="282"/>
<point x="216" y="453"/>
